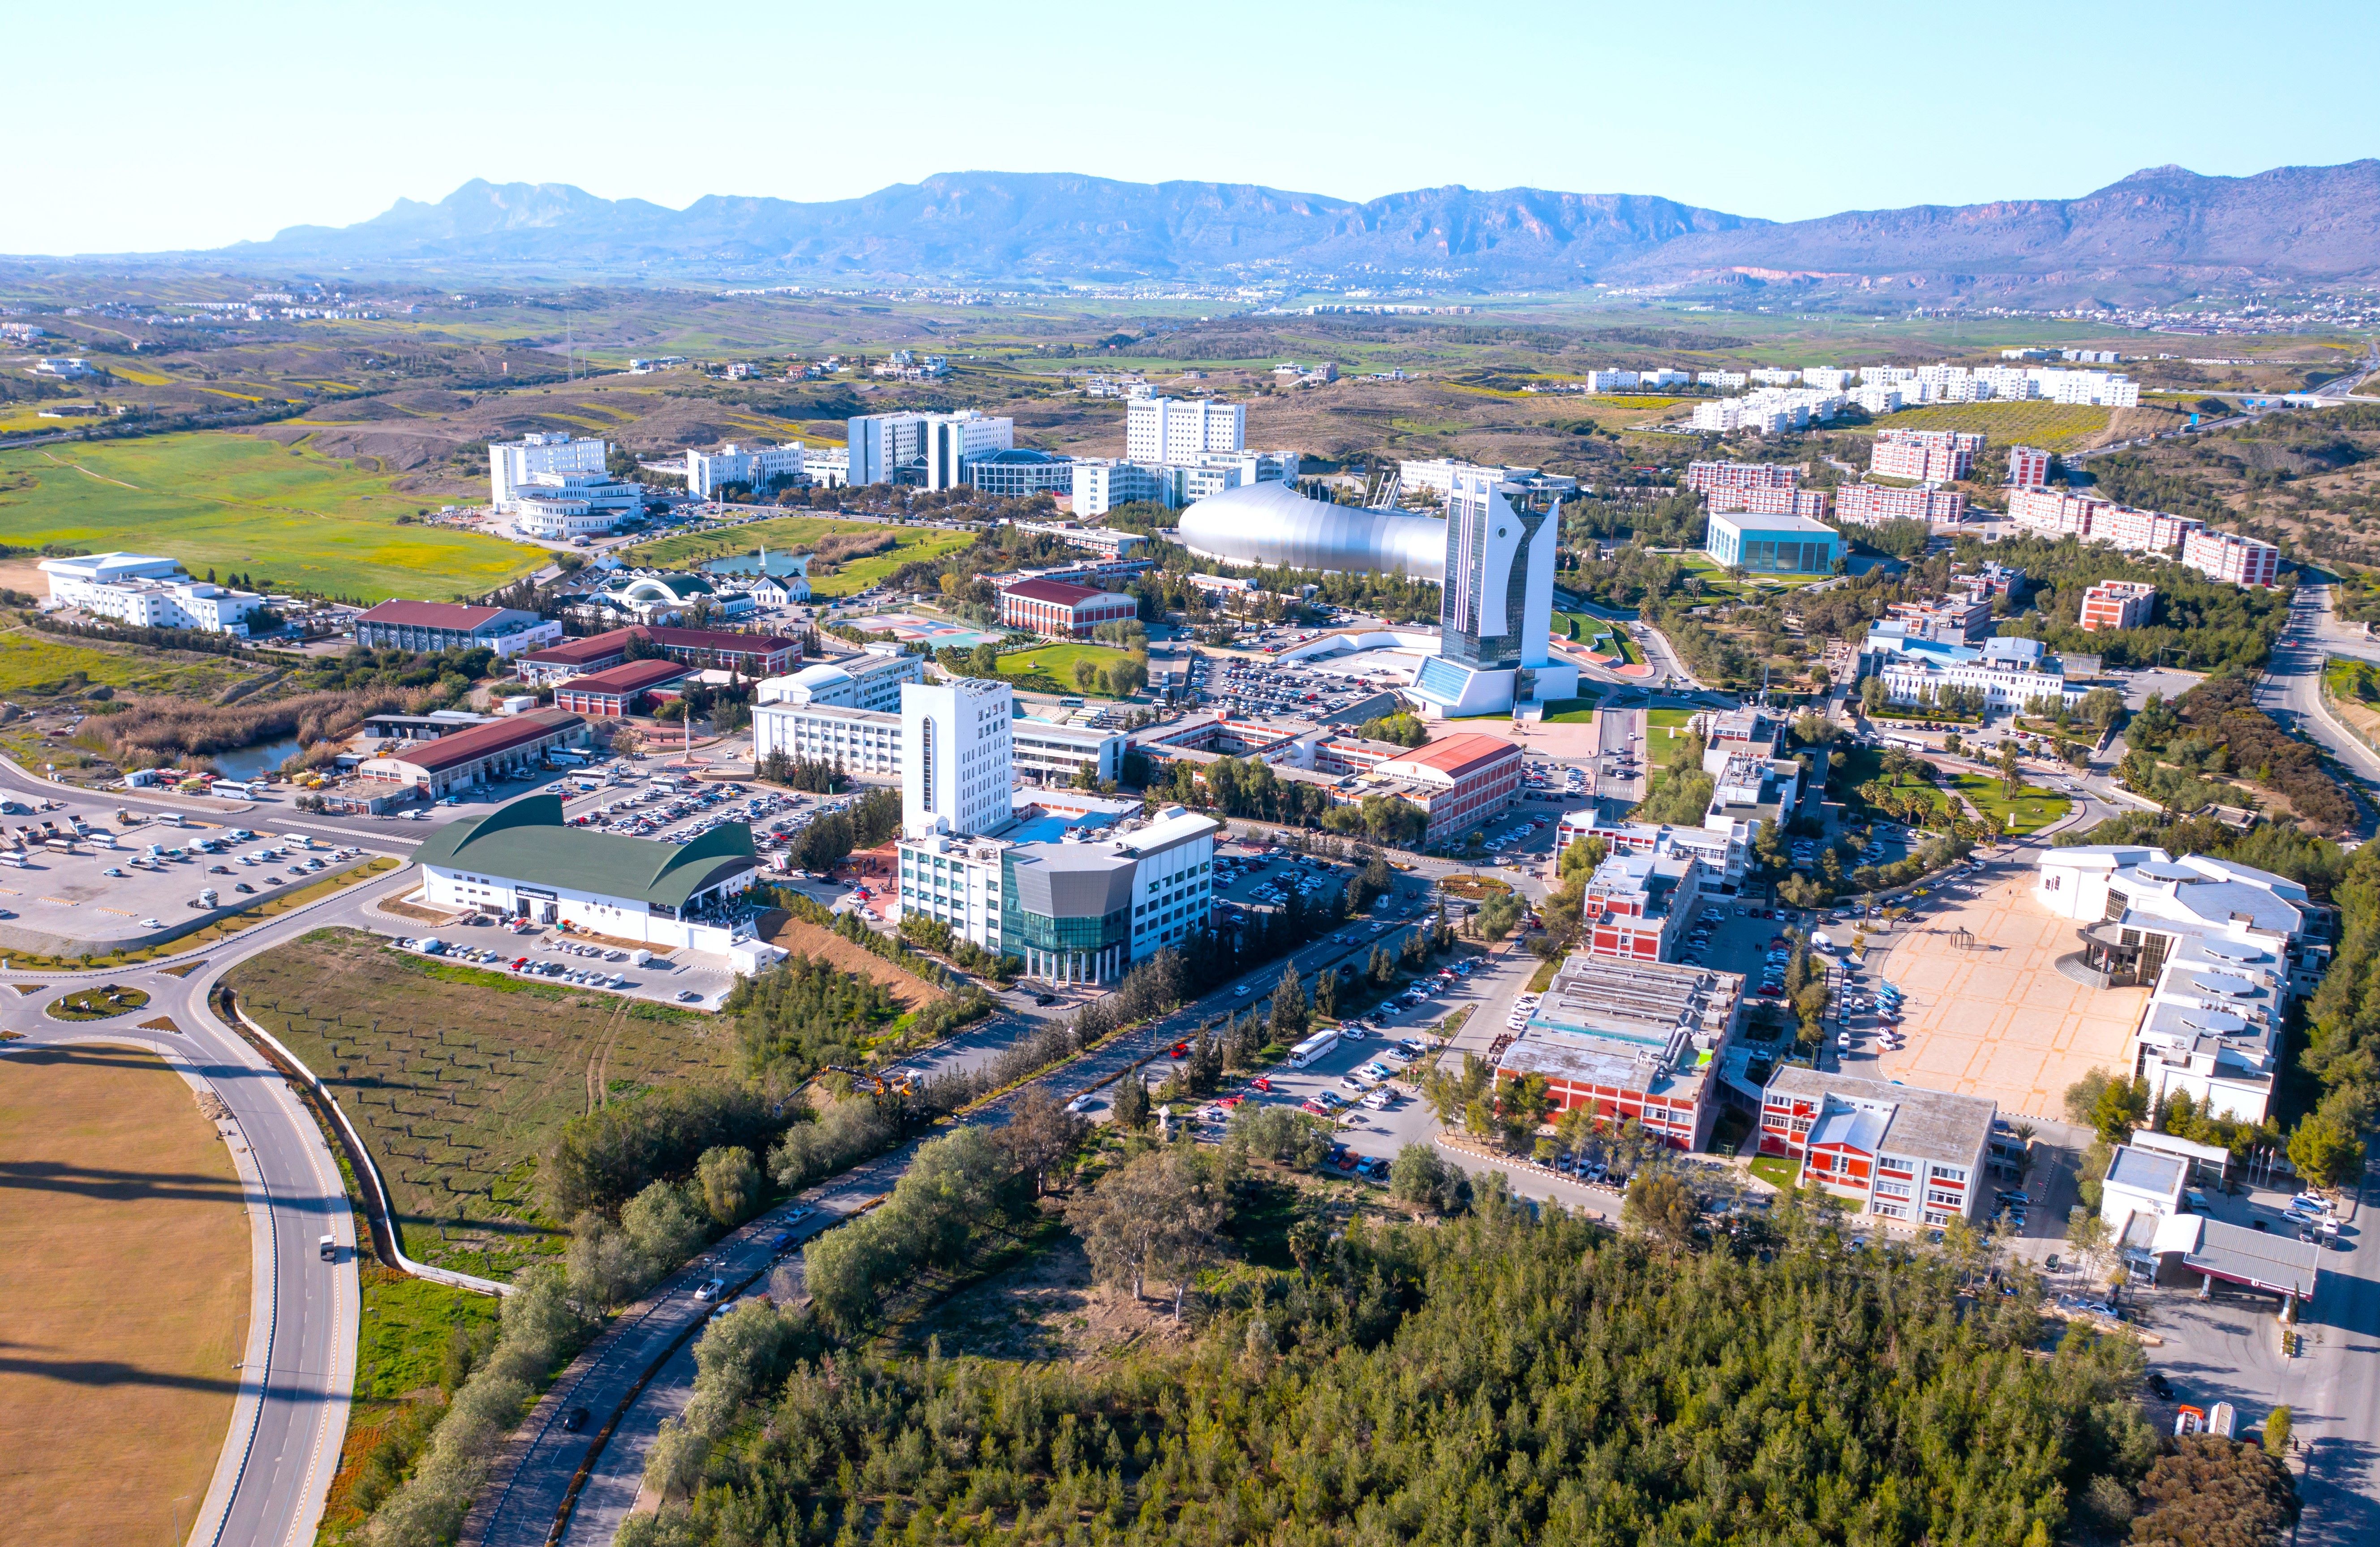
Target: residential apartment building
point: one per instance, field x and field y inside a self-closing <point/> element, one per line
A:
<point x="2226" y="556"/>
<point x="760" y="468"/>
<point x="1930" y="456"/>
<point x="435" y="626"/>
<point x="1726" y="380"/>
<point x="1869" y="505"/>
<point x="1161" y="430"/>
<point x="2117" y="604"/>
<point x="1640" y="905"/>
<point x="1632" y="1040"/>
<point x="149" y="591"/>
<point x="2028" y="467"/>
<point x="511" y="463"/>
<point x="873" y="680"/>
<point x="1896" y="1151"/>
<point x="2061" y="513"/>
<point x="1100" y="486"/>
<point x="1057" y="610"/>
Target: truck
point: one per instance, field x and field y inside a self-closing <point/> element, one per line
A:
<point x="1312" y="1048"/>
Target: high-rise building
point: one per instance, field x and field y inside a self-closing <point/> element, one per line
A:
<point x="952" y="439"/>
<point x="924" y="450"/>
<point x="510" y="463"/>
<point x="881" y="445"/>
<point x="1181" y="429"/>
<point x="1496" y="613"/>
<point x="956" y="750"/>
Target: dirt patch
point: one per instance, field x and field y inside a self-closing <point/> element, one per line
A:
<point x="419" y="915"/>
<point x="123" y="1260"/>
<point x="822" y="944"/>
<point x="1046" y="1307"/>
<point x="24" y="575"/>
<point x="161" y="1023"/>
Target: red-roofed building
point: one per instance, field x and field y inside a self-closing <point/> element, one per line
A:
<point x="1461" y="781"/>
<point x="481" y="754"/>
<point x="620" y="690"/>
<point x="571" y="658"/>
<point x="1061" y="611"/>
<point x="428" y="626"/>
<point x="754" y="655"/>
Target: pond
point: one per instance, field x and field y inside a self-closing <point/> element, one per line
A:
<point x="250" y="761"/>
<point x="750" y="564"/>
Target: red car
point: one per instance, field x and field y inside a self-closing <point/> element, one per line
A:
<point x="1179" y="1049"/>
<point x="1261" y="1083"/>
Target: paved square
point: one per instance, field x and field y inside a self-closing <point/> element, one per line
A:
<point x="1998" y="1018"/>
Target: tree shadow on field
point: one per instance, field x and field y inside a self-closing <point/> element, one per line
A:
<point x="117" y="1186"/>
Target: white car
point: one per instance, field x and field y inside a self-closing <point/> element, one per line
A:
<point x="708" y="1290"/>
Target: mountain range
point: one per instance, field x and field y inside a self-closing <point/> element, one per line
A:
<point x="2162" y="230"/>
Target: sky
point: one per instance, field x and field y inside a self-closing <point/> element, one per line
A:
<point x="172" y="126"/>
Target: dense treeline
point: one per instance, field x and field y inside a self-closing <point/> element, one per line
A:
<point x="1248" y="787"/>
<point x="2216" y="728"/>
<point x="1495" y="1378"/>
<point x="2198" y="623"/>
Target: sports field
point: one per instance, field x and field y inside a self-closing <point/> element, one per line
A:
<point x="237" y="504"/>
<point x="124" y="1263"/>
<point x="458" y="1077"/>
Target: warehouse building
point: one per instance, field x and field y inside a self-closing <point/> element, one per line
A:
<point x="432" y="626"/>
<point x="509" y="748"/>
<point x="524" y="860"/>
<point x="618" y="691"/>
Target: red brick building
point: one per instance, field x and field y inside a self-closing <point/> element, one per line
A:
<point x="1461" y="781"/>
<point x="1057" y="610"/>
<point x="753" y="655"/>
<point x="1638" y="905"/>
<point x="618" y="691"/>
<point x="2117" y="604"/>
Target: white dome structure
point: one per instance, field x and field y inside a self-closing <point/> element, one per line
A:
<point x="1272" y="524"/>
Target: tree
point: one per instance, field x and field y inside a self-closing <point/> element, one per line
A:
<point x="1420" y="1177"/>
<point x="2082" y="1097"/>
<point x="2121" y="1107"/>
<point x="1326" y="991"/>
<point x="1289" y="1012"/>
<point x="2011" y="776"/>
<point x="1662" y="1206"/>
<point x="1131" y="1101"/>
<point x="1086" y="674"/>
<point x="1154" y="1214"/>
<point x="1039" y="1134"/>
<point x="663" y="1227"/>
<point x="731" y="1184"/>
<point x="2276" y="1431"/>
<point x="1871" y="695"/>
<point x="2324" y="1151"/>
<point x="2216" y="1492"/>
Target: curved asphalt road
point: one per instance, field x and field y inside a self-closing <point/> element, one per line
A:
<point x="289" y="1418"/>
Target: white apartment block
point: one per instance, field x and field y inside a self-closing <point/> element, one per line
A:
<point x="756" y="468"/>
<point x="1876" y="398"/>
<point x="511" y="463"/>
<point x="1181" y="429"/>
<point x="859" y="740"/>
<point x="1726" y="380"/>
<point x="871" y="679"/>
<point x="1770" y="375"/>
<point x="1607" y="381"/>
<point x="1885" y="375"/>
<point x="2225" y="556"/>
<point x="957" y="749"/>
<point x="145" y="590"/>
<point x="1826" y="379"/>
<point x="1664" y="377"/>
<point x="1100" y="486"/>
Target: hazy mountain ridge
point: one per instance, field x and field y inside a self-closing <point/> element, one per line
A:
<point x="2163" y="225"/>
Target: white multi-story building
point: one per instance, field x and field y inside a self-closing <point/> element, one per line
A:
<point x="957" y="749"/>
<point x="859" y="740"/>
<point x="146" y="590"/>
<point x="1876" y="398"/>
<point x="1885" y="375"/>
<point x="2226" y="556"/>
<point x="952" y="441"/>
<point x="2028" y="467"/>
<point x="1726" y="380"/>
<point x="1607" y="381"/>
<point x="758" y="468"/>
<point x="2102" y="389"/>
<point x="1771" y="375"/>
<point x="1826" y="378"/>
<point x="1102" y="484"/>
<point x="559" y="507"/>
<point x="2010" y="672"/>
<point x="1664" y="377"/>
<point x="1181" y="429"/>
<point x="2223" y="949"/>
<point x="1051" y="753"/>
<point x="511" y="463"/>
<point x="871" y="679"/>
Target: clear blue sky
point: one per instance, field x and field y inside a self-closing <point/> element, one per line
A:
<point x="148" y="126"/>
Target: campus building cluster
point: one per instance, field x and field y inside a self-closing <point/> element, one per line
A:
<point x="2219" y="555"/>
<point x="148" y="591"/>
<point x="1632" y="1040"/>
<point x="1177" y="452"/>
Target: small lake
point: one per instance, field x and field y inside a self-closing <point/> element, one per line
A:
<point x="750" y="564"/>
<point x="250" y="761"/>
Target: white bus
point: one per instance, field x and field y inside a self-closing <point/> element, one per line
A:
<point x="1312" y="1048"/>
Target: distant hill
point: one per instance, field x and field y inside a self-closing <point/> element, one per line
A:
<point x="2157" y="231"/>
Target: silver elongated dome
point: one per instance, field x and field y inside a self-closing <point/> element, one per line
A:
<point x="1271" y="523"/>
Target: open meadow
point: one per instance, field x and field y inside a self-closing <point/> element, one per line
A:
<point x="124" y="1262"/>
<point x="459" y="1077"/>
<point x="786" y="534"/>
<point x="34" y="665"/>
<point x="284" y="517"/>
<point x="1056" y="661"/>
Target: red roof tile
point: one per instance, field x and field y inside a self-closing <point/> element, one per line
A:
<point x="430" y="615"/>
<point x="628" y="676"/>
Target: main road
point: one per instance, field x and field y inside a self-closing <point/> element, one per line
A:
<point x="2291" y="689"/>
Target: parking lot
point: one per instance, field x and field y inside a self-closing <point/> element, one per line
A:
<point x="682" y="976"/>
<point x="1236" y="685"/>
<point x="83" y="880"/>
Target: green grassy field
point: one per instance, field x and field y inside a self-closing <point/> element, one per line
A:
<point x="236" y="503"/>
<point x="2049" y="426"/>
<point x="1717" y="582"/>
<point x="458" y="1077"/>
<point x="2034" y="808"/>
<point x="34" y="665"/>
<point x="787" y="533"/>
<point x="1572" y="712"/>
<point x="1661" y="747"/>
<point x="1057" y="662"/>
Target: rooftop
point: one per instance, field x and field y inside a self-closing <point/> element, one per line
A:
<point x="1745" y="520"/>
<point x="1456" y="757"/>
<point x="592" y="647"/>
<point x="1923" y="1125"/>
<point x="528" y="841"/>
<point x="1056" y="591"/>
<point x="628" y="676"/>
<point x="2142" y="1171"/>
<point x="715" y="638"/>
<point x="432" y="614"/>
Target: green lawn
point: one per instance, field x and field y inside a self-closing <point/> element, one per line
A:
<point x="1570" y="712"/>
<point x="915" y="546"/>
<point x="1662" y="747"/>
<point x="2034" y="808"/>
<point x="787" y="532"/>
<point x="33" y="664"/>
<point x="229" y="501"/>
<point x="1057" y="662"/>
<point x="1778" y="1171"/>
<point x="1716" y="582"/>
